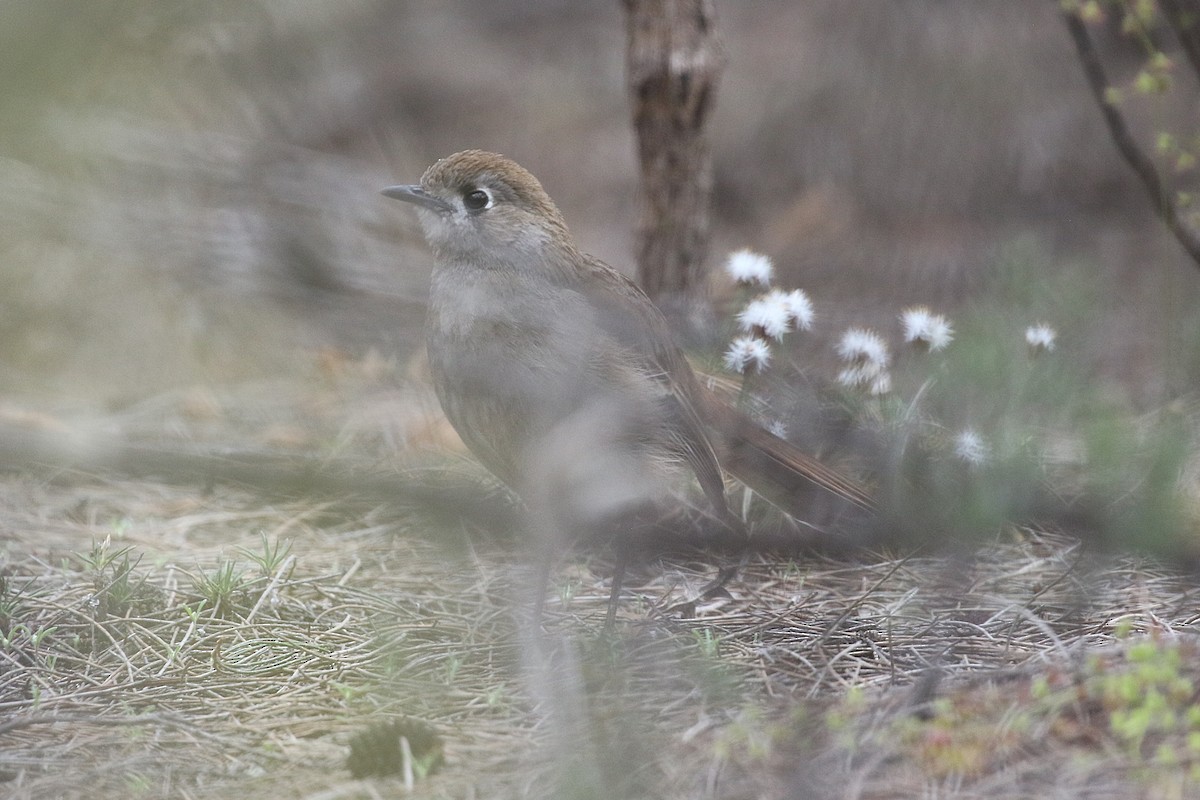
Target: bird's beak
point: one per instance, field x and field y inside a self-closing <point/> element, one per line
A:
<point x="415" y="194"/>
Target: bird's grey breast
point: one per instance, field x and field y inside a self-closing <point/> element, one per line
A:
<point x="498" y="335"/>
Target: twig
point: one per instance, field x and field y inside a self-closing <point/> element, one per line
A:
<point x="1184" y="18"/>
<point x="284" y="570"/>
<point x="1123" y="138"/>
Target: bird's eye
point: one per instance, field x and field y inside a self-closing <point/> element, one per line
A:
<point x="476" y="200"/>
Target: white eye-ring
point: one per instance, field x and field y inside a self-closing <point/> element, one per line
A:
<point x="477" y="199"/>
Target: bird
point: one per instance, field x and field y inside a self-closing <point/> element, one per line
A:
<point x="562" y="376"/>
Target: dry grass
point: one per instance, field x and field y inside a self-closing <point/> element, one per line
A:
<point x="869" y="677"/>
<point x="192" y="198"/>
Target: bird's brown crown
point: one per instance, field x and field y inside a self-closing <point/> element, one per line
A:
<point x="472" y="169"/>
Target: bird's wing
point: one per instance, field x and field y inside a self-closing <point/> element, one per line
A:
<point x="625" y="313"/>
<point x="772" y="466"/>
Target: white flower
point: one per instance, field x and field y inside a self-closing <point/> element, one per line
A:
<point x="923" y="327"/>
<point x="747" y="353"/>
<point x="775" y="313"/>
<point x="852" y="377"/>
<point x="881" y="383"/>
<point x="970" y="447"/>
<point x="746" y="266"/>
<point x="863" y="348"/>
<point x="765" y="313"/>
<point x="778" y="428"/>
<point x="867" y="357"/>
<point x="874" y="379"/>
<point x="799" y="308"/>
<point x="1040" y="337"/>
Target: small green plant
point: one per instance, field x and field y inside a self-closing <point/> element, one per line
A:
<point x="425" y="765"/>
<point x="139" y="785"/>
<point x="270" y="556"/>
<point x="960" y="736"/>
<point x="841" y="718"/>
<point x="22" y="634"/>
<point x="454" y="663"/>
<point x="497" y="696"/>
<point x="1143" y="700"/>
<point x="714" y="676"/>
<point x="1152" y="705"/>
<point x="193" y="614"/>
<point x="10" y="603"/>
<point x="118" y="590"/>
<point x="567" y="591"/>
<point x="709" y="644"/>
<point x="102" y="556"/>
<point x="223" y="589"/>
<point x="749" y="737"/>
<point x="348" y="692"/>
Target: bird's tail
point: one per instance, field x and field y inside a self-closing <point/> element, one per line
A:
<point x="774" y="467"/>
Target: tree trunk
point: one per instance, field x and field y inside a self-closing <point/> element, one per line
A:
<point x="673" y="61"/>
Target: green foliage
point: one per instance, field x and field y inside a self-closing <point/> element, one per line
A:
<point x="749" y="737"/>
<point x="567" y="590"/>
<point x="270" y="556"/>
<point x="708" y="643"/>
<point x="118" y="589"/>
<point x="714" y="676"/>
<point x="1132" y="480"/>
<point x="1147" y="706"/>
<point x="1003" y="422"/>
<point x="10" y="602"/>
<point x="1139" y="705"/>
<point x="991" y="383"/>
<point x="21" y="633"/>
<point x="1150" y="699"/>
<point x="1055" y="441"/>
<point x="961" y="736"/>
<point x="224" y="589"/>
<point x="1143" y="23"/>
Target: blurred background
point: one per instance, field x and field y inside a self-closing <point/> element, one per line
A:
<point x="190" y="191"/>
<point x="193" y="247"/>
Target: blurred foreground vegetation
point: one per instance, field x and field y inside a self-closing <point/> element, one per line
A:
<point x="195" y="255"/>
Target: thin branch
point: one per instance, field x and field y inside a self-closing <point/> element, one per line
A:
<point x="1123" y="138"/>
<point x="1184" y="18"/>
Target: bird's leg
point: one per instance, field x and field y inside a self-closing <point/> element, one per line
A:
<point x="724" y="575"/>
<point x="622" y="559"/>
<point x="541" y="585"/>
